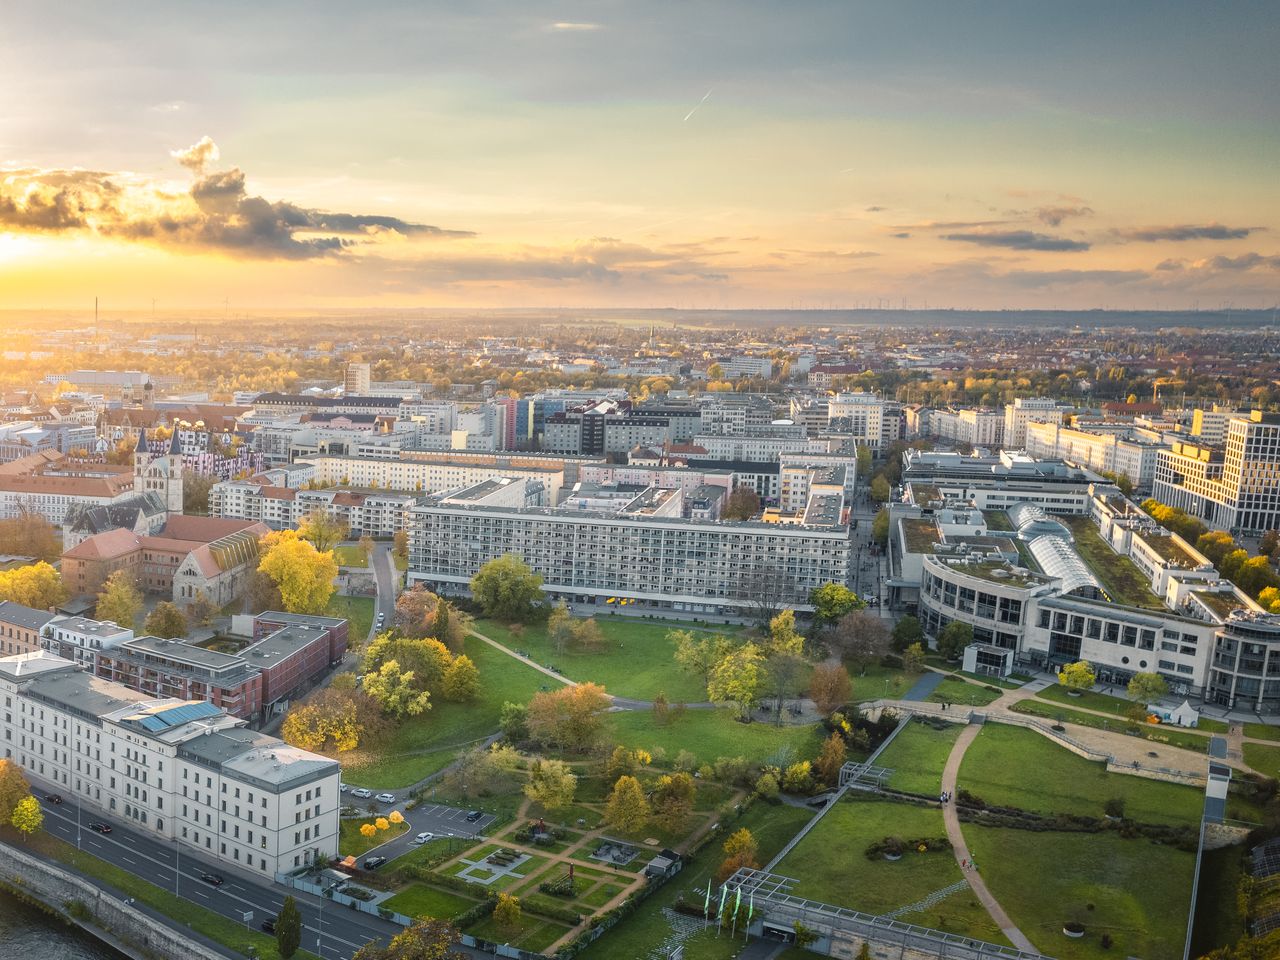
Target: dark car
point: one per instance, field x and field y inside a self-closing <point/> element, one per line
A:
<point x="53" y="797"/>
<point x="212" y="878"/>
<point x="99" y="826"/>
<point x="373" y="863"/>
<point x="473" y="816"/>
<point x="269" y="925"/>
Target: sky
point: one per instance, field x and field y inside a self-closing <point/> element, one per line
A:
<point x="701" y="153"/>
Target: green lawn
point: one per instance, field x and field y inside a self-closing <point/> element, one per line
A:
<point x="424" y="744"/>
<point x="952" y="690"/>
<point x="1263" y="758"/>
<point x="1140" y="891"/>
<point x="358" y="610"/>
<point x="637" y="659"/>
<point x="419" y="900"/>
<point x="352" y="843"/>
<point x="1218" y="919"/>
<point x="350" y="555"/>
<point x="879" y="681"/>
<point x="1262" y="731"/>
<point x="1011" y="766"/>
<point x="644" y="930"/>
<point x="183" y="912"/>
<point x="1211" y="725"/>
<point x="533" y="934"/>
<point x="917" y="756"/>
<point x="1156" y="733"/>
<point x="1123" y="581"/>
<point x="1088" y="700"/>
<point x="709" y="734"/>
<point x="828" y="865"/>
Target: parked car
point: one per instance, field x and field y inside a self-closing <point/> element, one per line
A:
<point x="422" y="838"/>
<point x="362" y="792"/>
<point x="342" y="788"/>
<point x="269" y="925"/>
<point x="386" y="798"/>
<point x="373" y="863"/>
<point x="473" y="816"/>
<point x="99" y="826"/>
<point x="53" y="797"/>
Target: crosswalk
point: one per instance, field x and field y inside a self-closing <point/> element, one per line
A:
<point x="683" y="927"/>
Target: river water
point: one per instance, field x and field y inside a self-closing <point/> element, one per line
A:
<point x="29" y="933"/>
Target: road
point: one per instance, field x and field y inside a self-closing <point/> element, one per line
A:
<point x="333" y="932"/>
<point x="387" y="578"/>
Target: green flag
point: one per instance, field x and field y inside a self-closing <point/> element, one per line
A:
<point x="737" y="902"/>
<point x="706" y="902"/>
<point x="724" y="892"/>
<point x="751" y="906"/>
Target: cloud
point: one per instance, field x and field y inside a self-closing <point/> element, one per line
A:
<point x="1050" y="278"/>
<point x="215" y="213"/>
<point x="1053" y="216"/>
<point x="1018" y="240"/>
<point x="874" y="209"/>
<point x="1246" y="261"/>
<point x="1186" y="231"/>
<point x="900" y="236"/>
<point x="569" y="26"/>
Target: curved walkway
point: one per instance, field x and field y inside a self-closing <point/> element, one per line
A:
<point x="961" y="848"/>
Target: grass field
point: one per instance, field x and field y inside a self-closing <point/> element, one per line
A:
<point x="424" y="744"/>
<point x="1139" y="891"/>
<point x="533" y="934"/>
<point x="1010" y="766"/>
<point x="350" y="555"/>
<point x="879" y="681"/>
<point x="636" y="661"/>
<point x="1088" y="700"/>
<point x="917" y="756"/>
<point x="1263" y="758"/>
<point x="709" y="734"/>
<point x="644" y="930"/>
<point x="952" y="690"/>
<point x="828" y="865"/>
<point x="352" y="843"/>
<point x="358" y="610"/>
<point x="1262" y="731"/>
<point x="1156" y="733"/>
<point x="1218" y="919"/>
<point x="1124" y="582"/>
<point x="419" y="900"/>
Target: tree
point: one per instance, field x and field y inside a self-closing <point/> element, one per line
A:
<point x="36" y="585"/>
<point x="829" y="687"/>
<point x="864" y="460"/>
<point x="913" y="658"/>
<point x="699" y="654"/>
<point x="416" y="612"/>
<point x="323" y="530"/>
<point x="201" y="610"/>
<point x="627" y="809"/>
<point x="506" y="911"/>
<point x="741" y="850"/>
<point x="461" y="680"/>
<point x="334" y="719"/>
<point x="953" y="638"/>
<point x="166" y="621"/>
<point x="880" y="489"/>
<point x="27" y="815"/>
<point x="831" y="759"/>
<point x="742" y="504"/>
<point x="396" y="691"/>
<point x="507" y="589"/>
<point x="783" y="636"/>
<point x="366" y="546"/>
<point x="737" y="679"/>
<point x="195" y="492"/>
<point x="880" y="526"/>
<point x="906" y="632"/>
<point x="304" y="574"/>
<point x="1215" y="545"/>
<point x="862" y="637"/>
<point x="560" y="626"/>
<point x="1147" y="687"/>
<point x="831" y="601"/>
<point x="1269" y="541"/>
<point x="119" y="601"/>
<point x="29" y="534"/>
<point x="481" y="771"/>
<point x="764" y="590"/>
<point x="673" y="800"/>
<point x="400" y="544"/>
<point x="798" y="777"/>
<point x="288" y="928"/>
<point x="784" y="672"/>
<point x="513" y="720"/>
<point x="1077" y="676"/>
<point x="552" y="784"/>
<point x="570" y="717"/>
<point x="427" y="939"/>
<point x="13" y="787"/>
<point x="261" y="593"/>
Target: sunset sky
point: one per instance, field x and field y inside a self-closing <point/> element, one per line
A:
<point x="688" y="154"/>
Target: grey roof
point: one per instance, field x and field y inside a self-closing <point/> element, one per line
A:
<point x="1058" y="558"/>
<point x="90" y="519"/>
<point x="84" y="694"/>
<point x="27" y="617"/>
<point x="251" y="755"/>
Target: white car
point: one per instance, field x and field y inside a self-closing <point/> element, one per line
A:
<point x="422" y="838"/>
<point x="362" y="793"/>
<point x="386" y="798"/>
<point x="343" y="788"/>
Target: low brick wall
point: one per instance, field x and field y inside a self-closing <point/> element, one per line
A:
<point x="125" y="926"/>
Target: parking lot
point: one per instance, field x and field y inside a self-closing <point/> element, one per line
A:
<point x="434" y="818"/>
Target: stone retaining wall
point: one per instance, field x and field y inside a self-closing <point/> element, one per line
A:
<point x="121" y="924"/>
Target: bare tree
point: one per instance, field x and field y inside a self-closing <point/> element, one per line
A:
<point x="862" y="637"/>
<point x="766" y="590"/>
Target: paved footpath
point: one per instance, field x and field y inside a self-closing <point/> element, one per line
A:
<point x="961" y="849"/>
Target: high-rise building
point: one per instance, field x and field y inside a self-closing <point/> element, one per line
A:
<point x="356" y="381"/>
<point x="1026" y="410"/>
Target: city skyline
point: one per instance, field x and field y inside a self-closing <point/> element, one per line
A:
<point x="603" y="154"/>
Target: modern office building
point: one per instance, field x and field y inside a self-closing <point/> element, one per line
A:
<point x="1235" y="487"/>
<point x="1123" y="453"/>
<point x="1026" y="410"/>
<point x="179" y="770"/>
<point x="997" y="482"/>
<point x="979" y="427"/>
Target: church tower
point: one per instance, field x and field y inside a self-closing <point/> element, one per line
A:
<point x="161" y="473"/>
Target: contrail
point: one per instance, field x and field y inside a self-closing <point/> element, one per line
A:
<point x="696" y="106"/>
